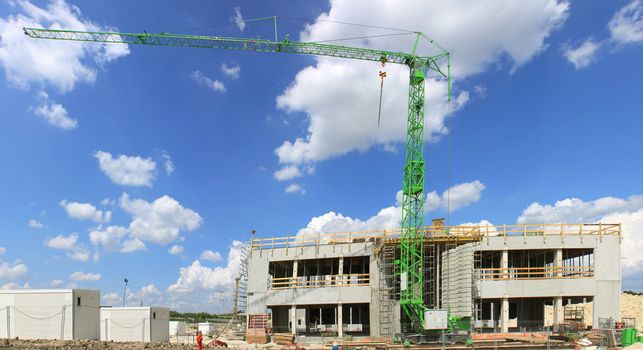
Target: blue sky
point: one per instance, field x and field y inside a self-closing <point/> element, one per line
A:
<point x="188" y="150"/>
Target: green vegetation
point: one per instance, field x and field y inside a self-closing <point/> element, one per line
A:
<point x="632" y="292"/>
<point x="196" y="317"/>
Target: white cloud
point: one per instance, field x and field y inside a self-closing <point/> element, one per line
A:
<point x="387" y="218"/>
<point x="338" y="125"/>
<point x="85" y="211"/>
<point x="63" y="242"/>
<point x="238" y="19"/>
<point x="578" y="210"/>
<point x="583" y="55"/>
<point x="197" y="278"/>
<point x="28" y="61"/>
<point x="458" y="196"/>
<point x="79" y="255"/>
<point x="215" y="85"/>
<point x="3" y="250"/>
<point x="199" y="287"/>
<point x="390" y="217"/>
<point x="211" y="256"/>
<point x="13" y="285"/>
<point x="75" y="251"/>
<point x="127" y="170"/>
<point x="108" y="201"/>
<point x="133" y="245"/>
<point x="111" y="239"/>
<point x="231" y="71"/>
<point x="112" y="299"/>
<point x="287" y="173"/>
<point x="480" y="90"/>
<point x="626" y="27"/>
<point x="609" y="210"/>
<point x="79" y="276"/>
<point x="627" y="24"/>
<point x="11" y="272"/>
<point x="33" y="223"/>
<point x="147" y="295"/>
<point x="295" y="188"/>
<point x="167" y="162"/>
<point x="56" y="283"/>
<point x="176" y="249"/>
<point x="160" y="221"/>
<point x="54" y="113"/>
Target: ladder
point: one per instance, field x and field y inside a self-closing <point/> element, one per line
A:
<point x="387" y="288"/>
<point x="242" y="300"/>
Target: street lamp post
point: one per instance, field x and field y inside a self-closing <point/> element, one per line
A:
<point x="125" y="292"/>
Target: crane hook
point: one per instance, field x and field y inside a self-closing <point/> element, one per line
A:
<point x="382" y="76"/>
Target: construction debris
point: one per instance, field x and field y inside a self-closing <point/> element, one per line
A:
<point x="283" y="338"/>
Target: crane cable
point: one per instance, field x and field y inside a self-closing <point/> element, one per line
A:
<point x="382" y="76"/>
<point x="450" y="130"/>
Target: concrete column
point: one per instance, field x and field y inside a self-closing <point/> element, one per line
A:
<point x="558" y="310"/>
<point x="293" y="319"/>
<point x="340" y="320"/>
<point x="504" y="263"/>
<point x="295" y="268"/>
<point x="558" y="261"/>
<point x="504" y="315"/>
<point x="340" y="271"/>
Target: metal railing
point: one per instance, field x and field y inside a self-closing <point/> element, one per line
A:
<point x="534" y="273"/>
<point x="345" y="280"/>
<point x="435" y="233"/>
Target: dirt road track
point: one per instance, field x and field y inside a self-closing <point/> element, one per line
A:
<point x="88" y="345"/>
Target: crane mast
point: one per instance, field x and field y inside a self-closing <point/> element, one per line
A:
<point x="412" y="238"/>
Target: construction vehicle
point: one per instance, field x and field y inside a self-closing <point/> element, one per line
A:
<point x="409" y="266"/>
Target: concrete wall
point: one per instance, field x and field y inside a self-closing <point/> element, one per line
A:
<point x="260" y="297"/>
<point x="538" y="288"/>
<point x="457" y="278"/>
<point x="134" y="324"/>
<point x="49" y="314"/>
<point x="457" y="291"/>
<point x="605" y="286"/>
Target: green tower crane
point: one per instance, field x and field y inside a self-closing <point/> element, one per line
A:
<point x="412" y="238"/>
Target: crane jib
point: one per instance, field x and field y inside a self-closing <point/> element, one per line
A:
<point x="248" y="44"/>
<point x="409" y="266"/>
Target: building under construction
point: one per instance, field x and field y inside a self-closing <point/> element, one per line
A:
<point x="516" y="278"/>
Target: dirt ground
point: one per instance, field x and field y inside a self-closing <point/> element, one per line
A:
<point x="632" y="306"/>
<point x="100" y="345"/>
<point x="87" y="345"/>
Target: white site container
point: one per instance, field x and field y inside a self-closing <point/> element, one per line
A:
<point x="143" y="323"/>
<point x="178" y="328"/>
<point x="206" y="328"/>
<point x="49" y="314"/>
